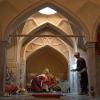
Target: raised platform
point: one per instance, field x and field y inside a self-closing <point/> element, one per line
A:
<point x="32" y="96"/>
<point x="64" y="97"/>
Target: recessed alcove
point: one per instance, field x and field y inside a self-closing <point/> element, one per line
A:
<point x="48" y="57"/>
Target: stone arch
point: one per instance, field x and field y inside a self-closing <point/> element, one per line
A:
<point x="48" y="57"/>
<point x="26" y="12"/>
<point x="94" y="31"/>
<point x="97" y="35"/>
<point x="50" y="27"/>
<point x="29" y="10"/>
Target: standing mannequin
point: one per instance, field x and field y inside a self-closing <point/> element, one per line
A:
<point x="82" y="71"/>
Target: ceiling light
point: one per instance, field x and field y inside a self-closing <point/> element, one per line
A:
<point x="47" y="11"/>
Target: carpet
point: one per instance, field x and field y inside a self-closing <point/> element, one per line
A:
<point x="47" y="95"/>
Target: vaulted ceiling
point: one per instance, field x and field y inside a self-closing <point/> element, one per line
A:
<point x="85" y="12"/>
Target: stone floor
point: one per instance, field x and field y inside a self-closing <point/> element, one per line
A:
<point x="64" y="97"/>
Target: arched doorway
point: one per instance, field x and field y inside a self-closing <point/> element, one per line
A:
<point x="19" y="44"/>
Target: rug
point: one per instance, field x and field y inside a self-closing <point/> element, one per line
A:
<point x="47" y="95"/>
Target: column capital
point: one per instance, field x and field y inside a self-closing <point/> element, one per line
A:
<point x="3" y="43"/>
<point x="90" y="44"/>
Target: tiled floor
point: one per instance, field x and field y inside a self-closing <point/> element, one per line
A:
<point x="64" y="97"/>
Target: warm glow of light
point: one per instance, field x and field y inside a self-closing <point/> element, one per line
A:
<point x="47" y="11"/>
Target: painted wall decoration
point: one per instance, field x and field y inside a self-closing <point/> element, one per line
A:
<point x="10" y="75"/>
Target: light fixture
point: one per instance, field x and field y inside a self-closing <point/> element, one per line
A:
<point x="47" y="11"/>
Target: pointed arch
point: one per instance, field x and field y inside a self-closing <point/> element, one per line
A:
<point x="49" y="48"/>
<point x="39" y="5"/>
<point x="51" y="28"/>
<point x="48" y="57"/>
<point x="94" y="31"/>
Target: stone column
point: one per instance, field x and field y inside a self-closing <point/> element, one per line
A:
<point x="22" y="73"/>
<point x="91" y="64"/>
<point x="3" y="62"/>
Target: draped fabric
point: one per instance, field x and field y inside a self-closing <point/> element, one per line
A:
<point x="42" y="83"/>
<point x="36" y="84"/>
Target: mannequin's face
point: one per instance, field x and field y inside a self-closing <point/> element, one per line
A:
<point x="46" y="71"/>
<point x="76" y="56"/>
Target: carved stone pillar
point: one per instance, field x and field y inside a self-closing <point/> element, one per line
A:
<point x="91" y="64"/>
<point x="3" y="56"/>
<point x="22" y="74"/>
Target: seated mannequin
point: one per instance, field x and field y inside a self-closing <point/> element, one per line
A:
<point x="36" y="83"/>
<point x="48" y="81"/>
<point x="10" y="89"/>
<point x="43" y="82"/>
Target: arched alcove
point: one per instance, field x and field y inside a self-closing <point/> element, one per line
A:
<point x="47" y="57"/>
<point x="44" y="51"/>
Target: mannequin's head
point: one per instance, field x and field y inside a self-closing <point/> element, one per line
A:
<point x="77" y="55"/>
